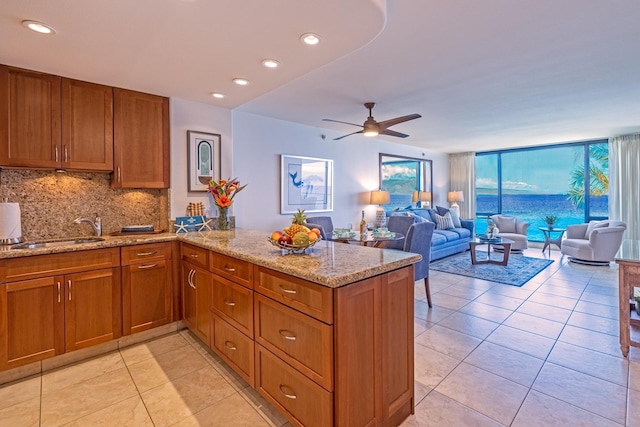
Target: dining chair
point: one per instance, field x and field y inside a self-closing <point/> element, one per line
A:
<point x="418" y="241"/>
<point x="398" y="224"/>
<point x="325" y="223"/>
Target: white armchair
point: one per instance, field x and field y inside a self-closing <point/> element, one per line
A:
<point x="595" y="243"/>
<point x="513" y="229"/>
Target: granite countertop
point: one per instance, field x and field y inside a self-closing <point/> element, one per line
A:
<point x="326" y="263"/>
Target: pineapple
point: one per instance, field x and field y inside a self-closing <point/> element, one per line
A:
<point x="297" y="223"/>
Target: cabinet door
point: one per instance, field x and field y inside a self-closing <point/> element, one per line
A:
<point x="31" y="321"/>
<point x="87" y="126"/>
<point x="92" y="308"/>
<point x="195" y="299"/>
<point x="29" y="119"/>
<point x="141" y="140"/>
<point x="146" y="295"/>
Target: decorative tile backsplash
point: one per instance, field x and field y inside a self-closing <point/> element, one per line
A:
<point x="50" y="201"/>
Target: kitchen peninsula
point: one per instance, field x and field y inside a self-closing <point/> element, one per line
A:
<point x="326" y="336"/>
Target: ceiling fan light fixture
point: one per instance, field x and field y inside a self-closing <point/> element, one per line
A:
<point x="38" y="27"/>
<point x="310" y="39"/>
<point x="370" y="129"/>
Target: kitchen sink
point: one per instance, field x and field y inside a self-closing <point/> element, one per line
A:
<point x="53" y="243"/>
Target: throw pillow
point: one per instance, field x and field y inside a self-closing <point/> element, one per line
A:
<point x="417" y="218"/>
<point x="441" y="211"/>
<point x="506" y="224"/>
<point x="443" y="222"/>
<point x="593" y="225"/>
<point x="455" y="217"/>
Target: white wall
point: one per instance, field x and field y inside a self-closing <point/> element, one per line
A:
<point x="258" y="142"/>
<point x="188" y="115"/>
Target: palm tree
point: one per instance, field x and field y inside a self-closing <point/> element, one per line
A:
<point x="598" y="175"/>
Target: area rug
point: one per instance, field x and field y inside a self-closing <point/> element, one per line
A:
<point x="519" y="270"/>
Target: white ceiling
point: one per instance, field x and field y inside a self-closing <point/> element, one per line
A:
<point x="484" y="75"/>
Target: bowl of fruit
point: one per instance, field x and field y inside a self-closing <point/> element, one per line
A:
<point x="296" y="237"/>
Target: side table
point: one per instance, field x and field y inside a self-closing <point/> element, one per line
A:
<point x="628" y="260"/>
<point x="547" y="237"/>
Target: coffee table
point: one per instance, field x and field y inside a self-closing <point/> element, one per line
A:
<point x="506" y="243"/>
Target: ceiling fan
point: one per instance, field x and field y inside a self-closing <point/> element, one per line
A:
<point x="374" y="128"/>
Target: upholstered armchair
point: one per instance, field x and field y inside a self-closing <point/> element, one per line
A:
<point x="418" y="240"/>
<point x="513" y="229"/>
<point x="595" y="243"/>
<point x="324" y="223"/>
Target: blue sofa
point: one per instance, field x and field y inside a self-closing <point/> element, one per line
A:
<point x="443" y="242"/>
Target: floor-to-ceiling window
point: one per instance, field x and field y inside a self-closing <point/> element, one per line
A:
<point x="532" y="183"/>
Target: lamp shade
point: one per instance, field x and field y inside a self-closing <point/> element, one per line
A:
<point x="421" y="196"/>
<point x="455" y="196"/>
<point x="380" y="197"/>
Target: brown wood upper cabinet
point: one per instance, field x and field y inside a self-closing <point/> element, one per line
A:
<point x="50" y="122"/>
<point x="141" y="140"/>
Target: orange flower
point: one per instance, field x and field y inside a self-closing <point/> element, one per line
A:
<point x="223" y="201"/>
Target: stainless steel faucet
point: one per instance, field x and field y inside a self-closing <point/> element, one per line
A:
<point x="96" y="224"/>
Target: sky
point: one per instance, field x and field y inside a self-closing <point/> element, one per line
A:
<point x="540" y="171"/>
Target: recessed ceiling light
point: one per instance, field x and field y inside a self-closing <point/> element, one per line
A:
<point x="241" y="82"/>
<point x="38" y="27"/>
<point x="310" y="39"/>
<point x="217" y="95"/>
<point x="270" y="63"/>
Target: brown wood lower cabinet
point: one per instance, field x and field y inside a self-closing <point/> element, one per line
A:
<point x="322" y="356"/>
<point x="48" y="316"/>
<point x="147" y="272"/>
<point x="195" y="299"/>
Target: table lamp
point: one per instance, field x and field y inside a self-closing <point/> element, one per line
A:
<point x="421" y="196"/>
<point x="380" y="197"/>
<point x="454" y="197"/>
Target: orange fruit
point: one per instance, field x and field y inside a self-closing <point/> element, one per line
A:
<point x="316" y="231"/>
<point x="276" y="235"/>
<point x="312" y="236"/>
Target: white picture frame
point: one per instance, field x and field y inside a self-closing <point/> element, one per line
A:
<point x="203" y="156"/>
<point x="305" y="183"/>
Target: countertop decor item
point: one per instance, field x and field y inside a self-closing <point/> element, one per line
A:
<point x="223" y="192"/>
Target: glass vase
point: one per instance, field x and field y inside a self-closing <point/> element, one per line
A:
<point x="224" y="222"/>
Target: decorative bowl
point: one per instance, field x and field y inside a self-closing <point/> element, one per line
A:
<point x="293" y="248"/>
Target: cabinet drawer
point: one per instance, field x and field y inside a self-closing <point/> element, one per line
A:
<point x="234" y="303"/>
<point x="301" y="341"/>
<point x="195" y="255"/>
<point x="32" y="267"/>
<point x="233" y="347"/>
<point x="142" y="253"/>
<point x="310" y="298"/>
<point x="305" y="402"/>
<point x="232" y="268"/>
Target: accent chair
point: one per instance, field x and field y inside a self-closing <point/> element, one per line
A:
<point x="513" y="229"/>
<point x="324" y="223"/>
<point x="418" y="241"/>
<point x="398" y="224"/>
<point x="595" y="243"/>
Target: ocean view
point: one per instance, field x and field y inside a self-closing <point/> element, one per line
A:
<point x="532" y="208"/>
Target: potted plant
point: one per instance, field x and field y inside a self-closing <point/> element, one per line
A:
<point x="551" y="220"/>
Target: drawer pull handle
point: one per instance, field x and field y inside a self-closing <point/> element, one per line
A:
<point x="230" y="345"/>
<point x="288" y="395"/>
<point x="230" y="303"/>
<point x="142" y="267"/>
<point x="288" y="291"/>
<point x="229" y="269"/>
<point x="287" y="335"/>
<point x="147" y="253"/>
<point x="193" y="255"/>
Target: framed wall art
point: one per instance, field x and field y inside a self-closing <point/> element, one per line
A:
<point x="203" y="154"/>
<point x="306" y="183"/>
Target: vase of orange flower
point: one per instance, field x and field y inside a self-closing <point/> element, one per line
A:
<point x="223" y="192"/>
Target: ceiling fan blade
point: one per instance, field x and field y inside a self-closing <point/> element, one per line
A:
<point x="391" y="122"/>
<point x="344" y="136"/>
<point x="338" y="121"/>
<point x="393" y="133"/>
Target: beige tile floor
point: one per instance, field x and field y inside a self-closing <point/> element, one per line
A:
<point x="486" y="354"/>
